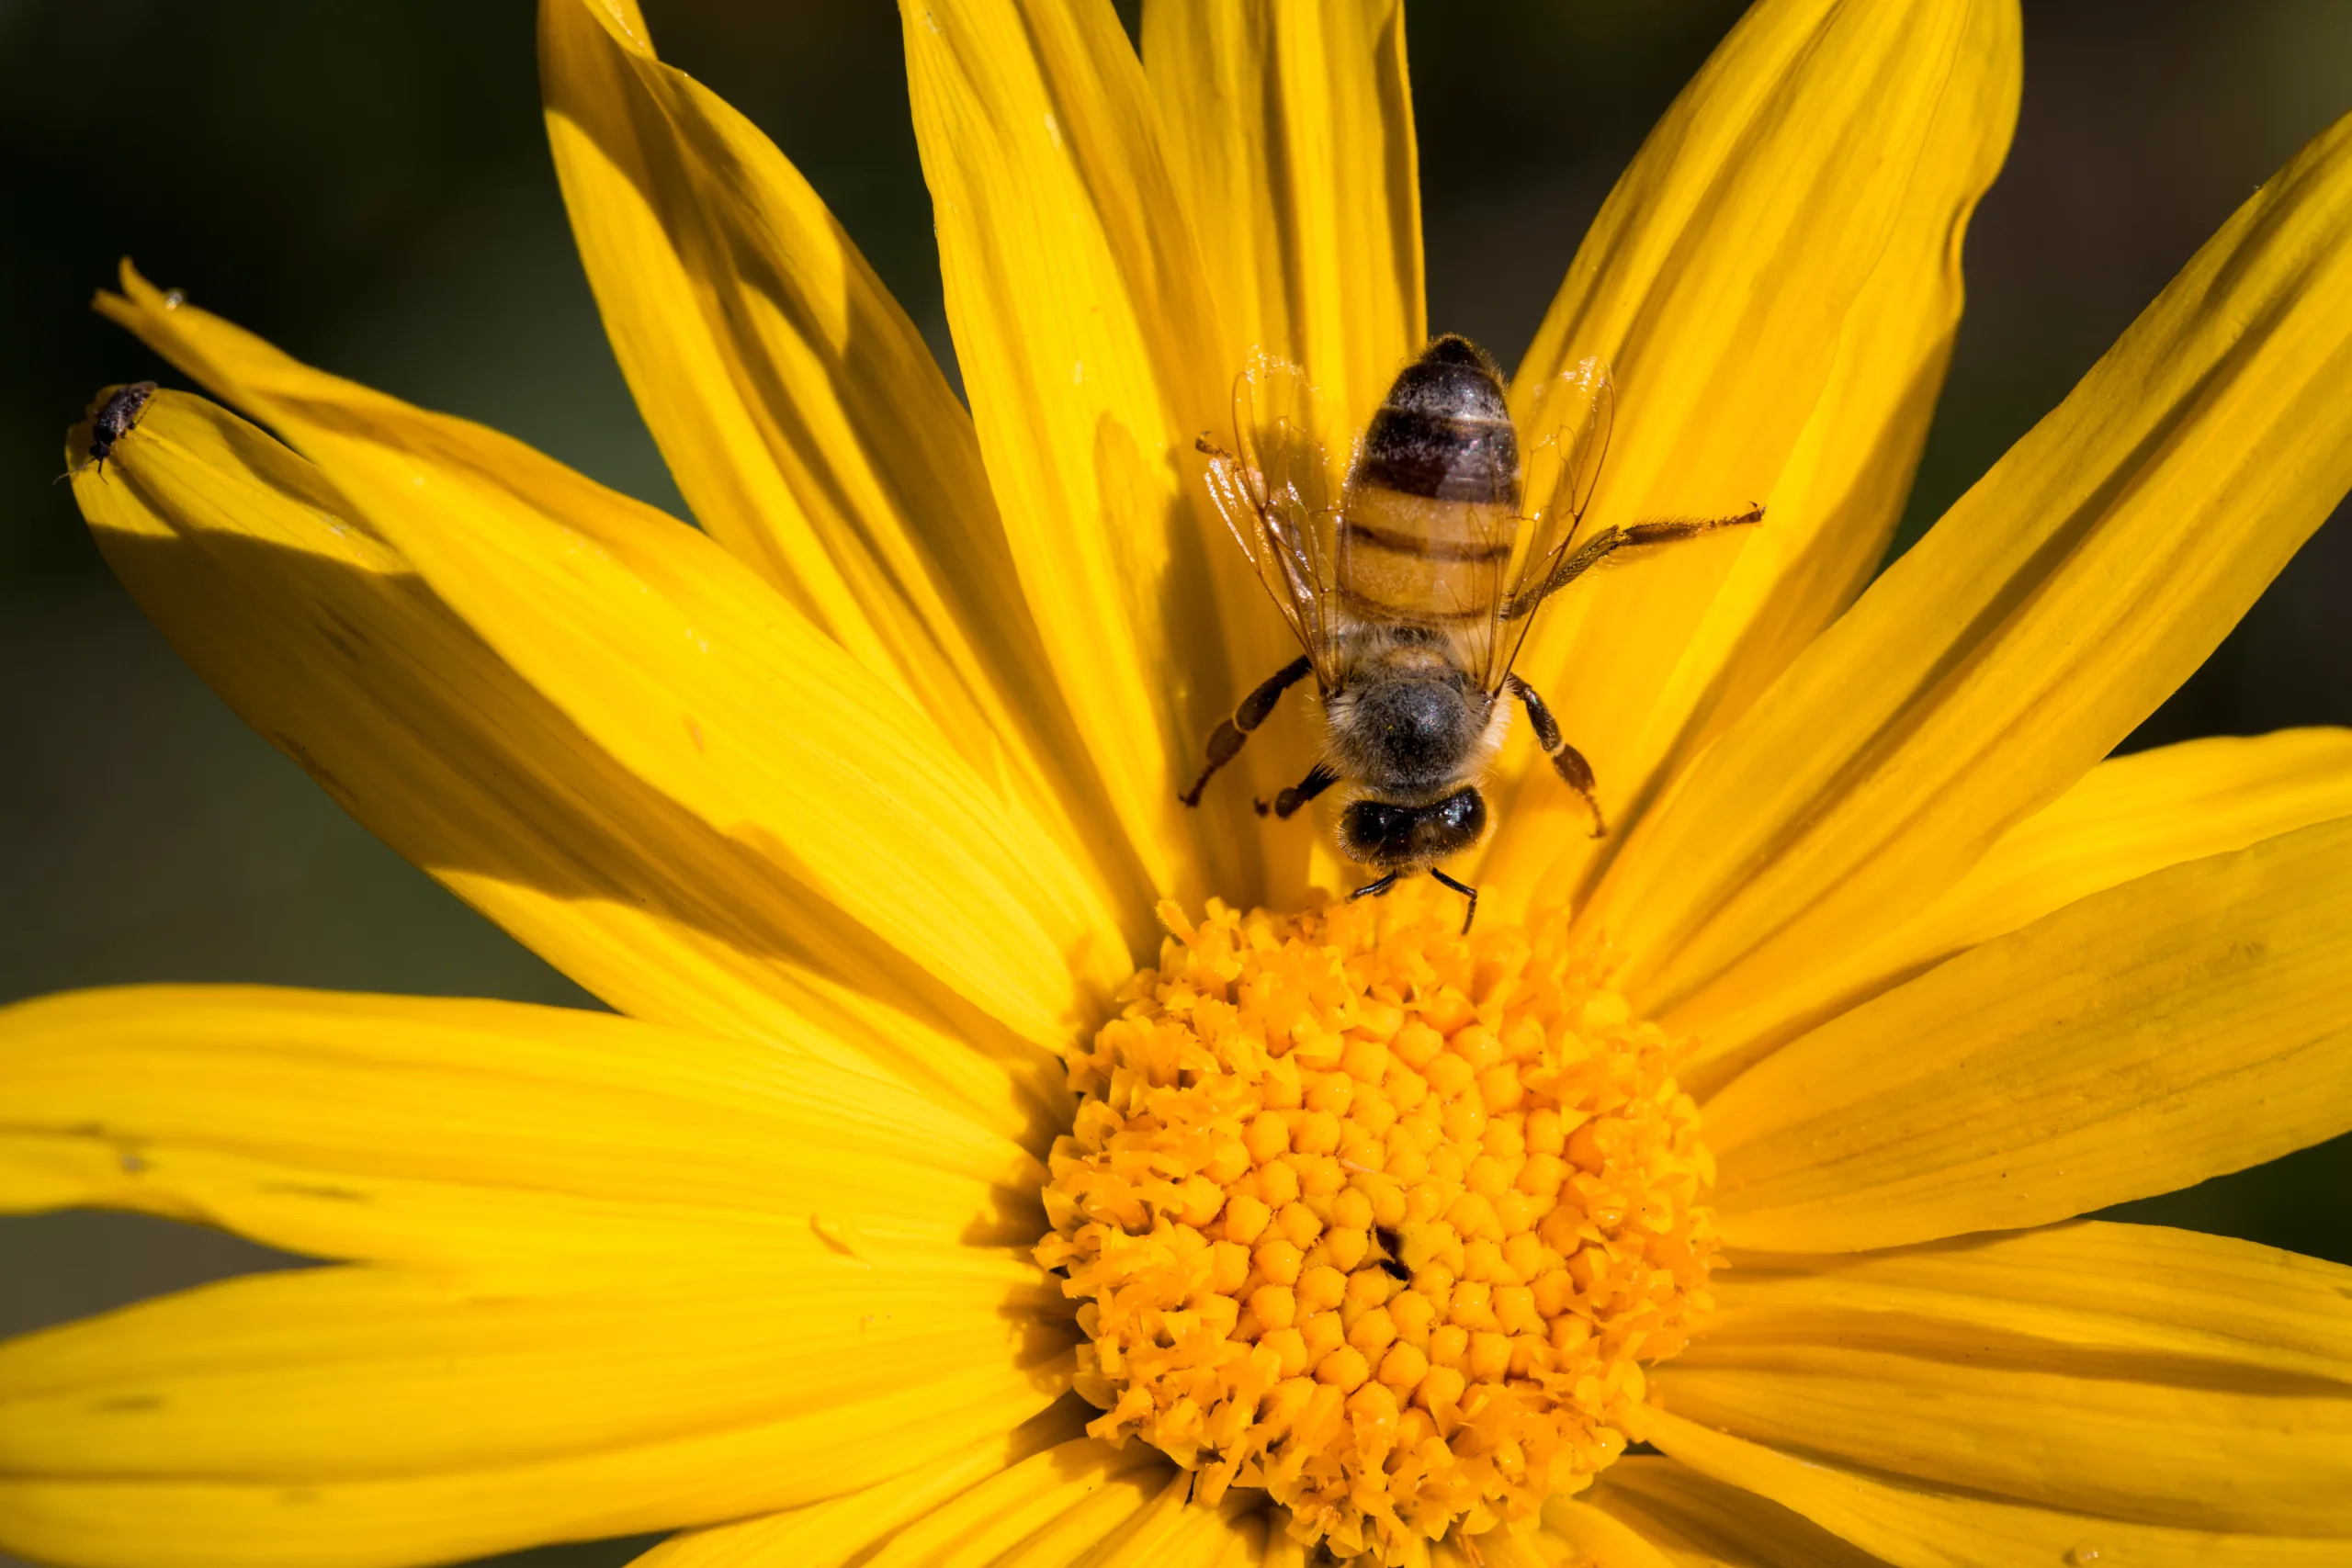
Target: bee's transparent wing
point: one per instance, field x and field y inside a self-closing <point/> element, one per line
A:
<point x="1278" y="496"/>
<point x="1574" y="413"/>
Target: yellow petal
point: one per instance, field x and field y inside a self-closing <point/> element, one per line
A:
<point x="345" y="1373"/>
<point x="1915" y="1526"/>
<point x="695" y="676"/>
<point x="1290" y="133"/>
<point x="363" y="1416"/>
<point x="1085" y="333"/>
<point x="829" y="1534"/>
<point x="803" y="416"/>
<point x="2055" y="606"/>
<point x="322" y="637"/>
<point x="2112" y="1436"/>
<point x="1599" y="1540"/>
<point x="2125" y="818"/>
<point x="2190" y="1022"/>
<point x="637" y="1279"/>
<point x="1700" y="1523"/>
<point x="1046" y="1510"/>
<point x="2086" y="1293"/>
<point x="1172" y="1531"/>
<point x="485" y="1135"/>
<point x="1780" y="251"/>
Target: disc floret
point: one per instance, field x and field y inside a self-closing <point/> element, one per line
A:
<point x="1382" y="1219"/>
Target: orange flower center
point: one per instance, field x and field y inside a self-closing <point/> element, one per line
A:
<point x="1380" y="1218"/>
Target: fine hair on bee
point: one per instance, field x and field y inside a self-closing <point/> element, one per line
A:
<point x="1411" y="593"/>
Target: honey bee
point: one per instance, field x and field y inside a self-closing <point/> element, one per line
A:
<point x="1413" y="594"/>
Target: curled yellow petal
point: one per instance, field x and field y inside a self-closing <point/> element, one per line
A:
<point x="2052" y="609"/>
<point x="671" y="656"/>
<point x="2193" y="1021"/>
<point x="324" y="638"/>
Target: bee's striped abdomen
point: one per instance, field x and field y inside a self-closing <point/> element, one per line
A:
<point x="1431" y="508"/>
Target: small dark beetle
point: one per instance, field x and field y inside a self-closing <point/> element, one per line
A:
<point x="115" y="419"/>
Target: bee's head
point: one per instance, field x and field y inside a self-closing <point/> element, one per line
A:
<point x="1381" y="833"/>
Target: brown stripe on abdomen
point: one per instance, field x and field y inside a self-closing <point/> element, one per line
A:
<point x="1361" y="535"/>
<point x="1412" y="557"/>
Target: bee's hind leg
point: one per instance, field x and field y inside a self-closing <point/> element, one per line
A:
<point x="1566" y="761"/>
<point x="1464" y="888"/>
<point x="1633" y="535"/>
<point x="1225" y="744"/>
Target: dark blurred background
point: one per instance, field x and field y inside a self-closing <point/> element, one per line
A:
<point x="367" y="185"/>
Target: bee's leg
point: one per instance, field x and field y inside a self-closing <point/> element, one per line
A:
<point x="1249" y="715"/>
<point x="1292" y="797"/>
<point x="1376" y="887"/>
<point x="1566" y="759"/>
<point x="1666" y="530"/>
<point x="1464" y="888"/>
<point x="1608" y="541"/>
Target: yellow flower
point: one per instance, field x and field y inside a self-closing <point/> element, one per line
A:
<point x="857" y="806"/>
